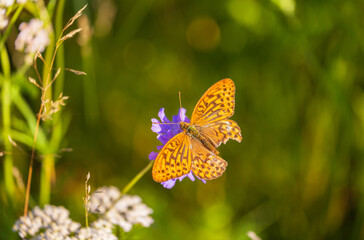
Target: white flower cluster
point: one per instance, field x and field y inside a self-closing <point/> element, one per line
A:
<point x="93" y="234"/>
<point x="124" y="211"/>
<point x="50" y="223"/>
<point x="103" y="199"/>
<point x="53" y="223"/>
<point x="4" y="5"/>
<point x="33" y="37"/>
<point x="8" y="3"/>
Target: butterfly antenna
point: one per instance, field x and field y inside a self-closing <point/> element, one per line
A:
<point x="180" y="102"/>
<point x="180" y="105"/>
<point x="163" y="123"/>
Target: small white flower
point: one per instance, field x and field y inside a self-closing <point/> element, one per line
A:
<point x="103" y="198"/>
<point x="6" y="3"/>
<point x="50" y="235"/>
<point x="94" y="234"/>
<point x="253" y="236"/>
<point x="33" y="37"/>
<point x="3" y="19"/>
<point x="119" y="218"/>
<point x="123" y="211"/>
<point x="102" y="224"/>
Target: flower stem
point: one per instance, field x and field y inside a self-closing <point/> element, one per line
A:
<point x="46" y="177"/>
<point x="130" y="185"/>
<point x="48" y="161"/>
<point x="136" y="178"/>
<point x="60" y="58"/>
<point x="31" y="163"/>
<point x="86" y="217"/>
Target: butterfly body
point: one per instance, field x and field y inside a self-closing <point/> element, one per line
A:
<point x="191" y="130"/>
<point x="194" y="149"/>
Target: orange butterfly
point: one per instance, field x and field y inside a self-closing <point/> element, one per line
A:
<point x="195" y="148"/>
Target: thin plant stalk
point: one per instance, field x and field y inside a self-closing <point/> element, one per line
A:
<point x="60" y="56"/>
<point x="45" y="176"/>
<point x="48" y="163"/>
<point x="86" y="217"/>
<point x="131" y="184"/>
<point x="27" y="193"/>
<point x="53" y="52"/>
<point x="86" y="199"/>
<point x="136" y="178"/>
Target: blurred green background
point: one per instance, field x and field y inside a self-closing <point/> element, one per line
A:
<point x="298" y="70"/>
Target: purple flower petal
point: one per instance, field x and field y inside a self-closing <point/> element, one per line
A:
<point x="203" y="180"/>
<point x="190" y="176"/>
<point x="156" y="127"/>
<point x="164" y="138"/>
<point x="165" y="133"/>
<point x="162" y="116"/>
<point x="169" y="184"/>
<point x="182" y="177"/>
<point x="153" y="155"/>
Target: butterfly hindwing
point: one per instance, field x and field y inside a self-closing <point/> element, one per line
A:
<point x="220" y="132"/>
<point x="217" y="103"/>
<point x="205" y="164"/>
<point x="174" y="160"/>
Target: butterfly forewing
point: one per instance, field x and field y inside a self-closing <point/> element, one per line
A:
<point x="174" y="160"/>
<point x="217" y="103"/>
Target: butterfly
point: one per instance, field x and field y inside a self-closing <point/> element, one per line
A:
<point x="195" y="147"/>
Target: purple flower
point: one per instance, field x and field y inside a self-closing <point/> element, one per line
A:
<point x="165" y="133"/>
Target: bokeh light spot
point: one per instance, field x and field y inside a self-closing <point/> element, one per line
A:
<point x="287" y="6"/>
<point x="245" y="12"/>
<point x="203" y="34"/>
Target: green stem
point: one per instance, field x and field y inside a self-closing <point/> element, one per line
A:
<point x="130" y="185"/>
<point x="50" y="7"/>
<point x="6" y="118"/>
<point x="86" y="216"/>
<point x="60" y="52"/>
<point x="59" y="83"/>
<point x="136" y="178"/>
<point x="48" y="165"/>
<point x="46" y="179"/>
<point x="48" y="162"/>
